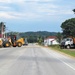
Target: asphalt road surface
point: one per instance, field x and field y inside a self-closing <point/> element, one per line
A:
<point x="34" y="60"/>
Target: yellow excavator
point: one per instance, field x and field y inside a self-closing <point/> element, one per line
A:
<point x="13" y="40"/>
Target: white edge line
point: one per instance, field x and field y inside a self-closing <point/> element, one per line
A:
<point x="62" y="61"/>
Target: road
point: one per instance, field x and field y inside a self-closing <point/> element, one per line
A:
<point x="34" y="60"/>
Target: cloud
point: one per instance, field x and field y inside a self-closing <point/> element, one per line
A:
<point x="6" y="15"/>
<point x="4" y="7"/>
<point x="5" y="1"/>
<point x="65" y="12"/>
<point x="24" y="1"/>
<point x="31" y="9"/>
<point x="11" y="1"/>
<point x="39" y="0"/>
<point x="18" y="15"/>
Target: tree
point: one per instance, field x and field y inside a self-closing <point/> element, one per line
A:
<point x="59" y="37"/>
<point x="68" y="27"/>
<point x="73" y="11"/>
<point x="40" y="40"/>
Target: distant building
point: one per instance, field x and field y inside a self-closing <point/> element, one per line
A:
<point x="51" y="40"/>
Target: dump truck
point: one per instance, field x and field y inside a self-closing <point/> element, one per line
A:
<point x="13" y="40"/>
<point x="68" y="43"/>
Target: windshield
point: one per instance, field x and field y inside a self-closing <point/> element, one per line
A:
<point x="68" y="39"/>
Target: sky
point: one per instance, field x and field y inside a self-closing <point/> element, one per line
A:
<point x="35" y="15"/>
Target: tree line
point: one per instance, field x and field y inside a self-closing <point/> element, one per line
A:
<point x="37" y="36"/>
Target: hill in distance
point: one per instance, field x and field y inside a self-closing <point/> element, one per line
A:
<point x="38" y="34"/>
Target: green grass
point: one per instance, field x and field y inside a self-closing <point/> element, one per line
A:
<point x="66" y="51"/>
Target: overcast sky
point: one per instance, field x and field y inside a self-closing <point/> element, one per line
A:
<point x="35" y="15"/>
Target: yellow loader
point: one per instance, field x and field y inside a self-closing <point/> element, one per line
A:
<point x="14" y="41"/>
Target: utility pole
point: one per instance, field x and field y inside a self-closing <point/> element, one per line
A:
<point x="2" y="29"/>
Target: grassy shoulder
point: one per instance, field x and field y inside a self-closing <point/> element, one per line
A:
<point x="70" y="52"/>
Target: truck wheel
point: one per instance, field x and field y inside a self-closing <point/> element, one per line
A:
<point x="68" y="47"/>
<point x="19" y="44"/>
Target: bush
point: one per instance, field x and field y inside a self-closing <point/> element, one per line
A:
<point x="54" y="46"/>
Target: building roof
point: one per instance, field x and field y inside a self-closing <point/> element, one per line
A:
<point x="51" y="37"/>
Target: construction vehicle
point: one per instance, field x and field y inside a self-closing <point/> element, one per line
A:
<point x="13" y="40"/>
<point x="1" y="42"/>
<point x="68" y="43"/>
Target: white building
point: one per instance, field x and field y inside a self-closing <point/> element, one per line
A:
<point x="51" y="40"/>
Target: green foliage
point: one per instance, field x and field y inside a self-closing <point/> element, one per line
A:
<point x="40" y="40"/>
<point x="59" y="37"/>
<point x="31" y="39"/>
<point x="68" y="27"/>
<point x="55" y="46"/>
<point x="73" y="11"/>
<point x="12" y="33"/>
<point x="37" y="36"/>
